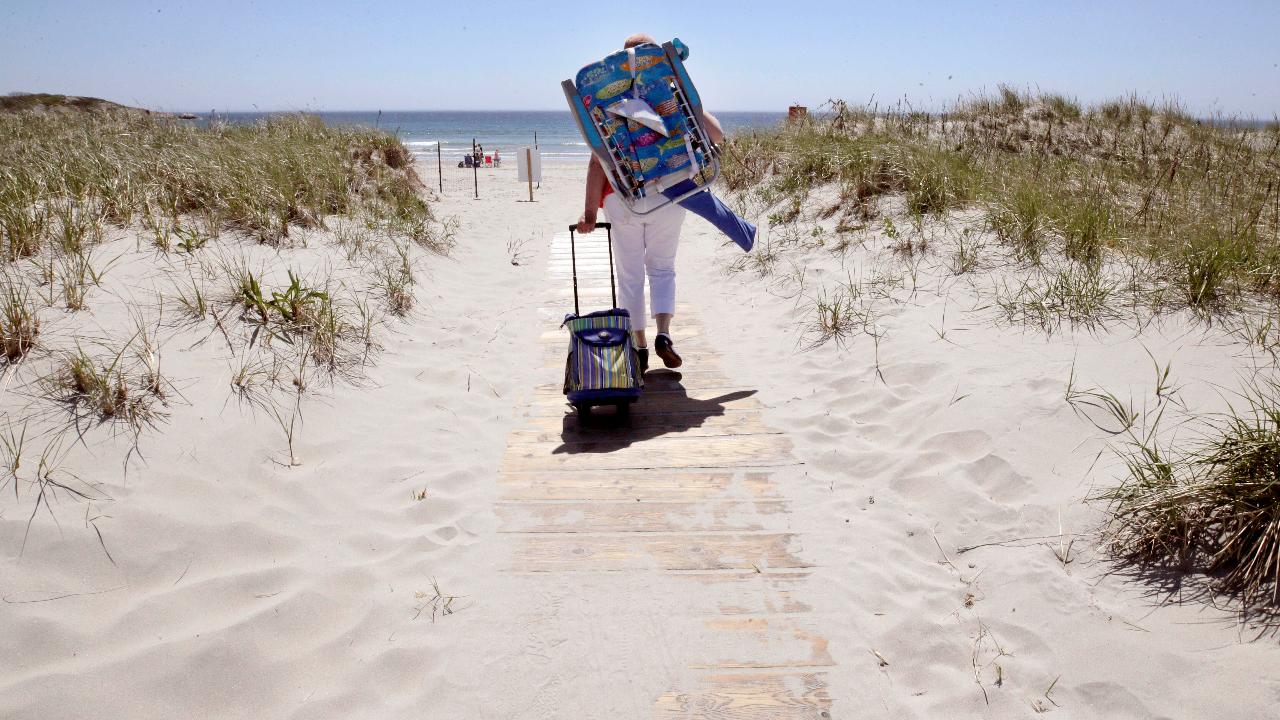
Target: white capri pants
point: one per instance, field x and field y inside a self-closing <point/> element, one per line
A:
<point x="645" y="245"/>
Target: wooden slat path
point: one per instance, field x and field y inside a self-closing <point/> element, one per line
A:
<point x="687" y="489"/>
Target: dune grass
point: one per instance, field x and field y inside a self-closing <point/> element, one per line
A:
<point x="70" y="179"/>
<point x="1211" y="504"/>
<point x="19" y="320"/>
<point x="395" y="280"/>
<point x="64" y="176"/>
<point x="1076" y="295"/>
<point x="124" y="385"/>
<point x="1200" y="200"/>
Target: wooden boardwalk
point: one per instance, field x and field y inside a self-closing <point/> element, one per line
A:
<point x="685" y="496"/>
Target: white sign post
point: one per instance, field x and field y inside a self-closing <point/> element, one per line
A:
<point x="529" y="168"/>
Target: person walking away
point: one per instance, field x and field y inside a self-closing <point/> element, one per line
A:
<point x="644" y="245"/>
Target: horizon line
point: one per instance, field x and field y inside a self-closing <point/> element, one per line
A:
<point x="367" y="110"/>
<point x="1213" y="116"/>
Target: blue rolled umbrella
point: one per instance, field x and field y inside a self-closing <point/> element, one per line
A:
<point x="709" y="207"/>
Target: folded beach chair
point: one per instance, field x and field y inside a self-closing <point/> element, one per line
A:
<point x="603" y="367"/>
<point x="642" y="118"/>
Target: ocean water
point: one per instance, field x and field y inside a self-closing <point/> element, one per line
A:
<point x="507" y="131"/>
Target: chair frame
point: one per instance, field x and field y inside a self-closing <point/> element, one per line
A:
<point x="617" y="167"/>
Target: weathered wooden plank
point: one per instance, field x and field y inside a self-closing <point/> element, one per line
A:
<point x="770" y="448"/>
<point x="561" y="304"/>
<point x="663" y="382"/>
<point x="696" y="401"/>
<point x="659" y="452"/>
<point x="690" y="348"/>
<point x="759" y="484"/>
<point x="564" y="289"/>
<point x="781" y="602"/>
<point x="661" y="378"/>
<point x="620" y="486"/>
<point x="622" y="516"/>
<point x="559" y="301"/>
<point x="567" y="429"/>
<point x="753" y="593"/>
<point x="553" y="315"/>
<point x="638" y="486"/>
<point x="754" y="696"/>
<point x="678" y="333"/>
<point x="564" y="286"/>
<point x="559" y="267"/>
<point x="593" y="278"/>
<point x="555" y="308"/>
<point x="590" y="298"/>
<point x="555" y="355"/>
<point x="638" y="551"/>
<point x="761" y="642"/>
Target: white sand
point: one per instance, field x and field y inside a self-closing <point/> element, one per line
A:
<point x="240" y="587"/>
<point x="969" y="440"/>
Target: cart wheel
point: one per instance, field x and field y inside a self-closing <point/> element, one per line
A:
<point x="584" y="413"/>
<point x="623" y="411"/>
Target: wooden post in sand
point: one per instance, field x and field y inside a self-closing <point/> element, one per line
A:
<point x="475" y="168"/>
<point x="526" y="171"/>
<point x="440" y="167"/>
<point x="528" y="162"/>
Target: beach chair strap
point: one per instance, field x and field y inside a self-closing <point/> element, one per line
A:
<point x="694" y="166"/>
<point x="573" y="256"/>
<point x="631" y="61"/>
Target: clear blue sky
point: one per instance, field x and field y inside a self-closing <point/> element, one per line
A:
<point x="325" y="55"/>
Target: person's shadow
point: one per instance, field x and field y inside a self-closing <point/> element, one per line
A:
<point x="665" y="407"/>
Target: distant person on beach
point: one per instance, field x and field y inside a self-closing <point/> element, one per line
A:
<point x="643" y="244"/>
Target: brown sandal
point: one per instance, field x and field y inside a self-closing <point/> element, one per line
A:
<point x="665" y="350"/>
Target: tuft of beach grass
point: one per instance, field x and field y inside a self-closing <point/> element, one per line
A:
<point x="1210" y="504"/>
<point x="19" y="320"/>
<point x="110" y="387"/>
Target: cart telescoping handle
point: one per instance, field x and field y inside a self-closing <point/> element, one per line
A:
<point x="573" y="255"/>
